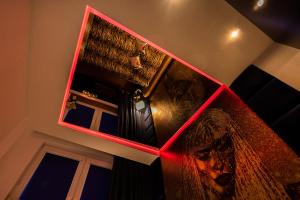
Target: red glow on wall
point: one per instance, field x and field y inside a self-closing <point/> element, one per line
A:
<point x="112" y="138"/>
<point x="174" y="159"/>
<point x="241" y="102"/>
<point x="74" y="63"/>
<point x="129" y="143"/>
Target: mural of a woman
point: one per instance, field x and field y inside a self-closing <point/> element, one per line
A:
<point x="219" y="164"/>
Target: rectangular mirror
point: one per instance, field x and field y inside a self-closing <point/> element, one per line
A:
<point x="124" y="88"/>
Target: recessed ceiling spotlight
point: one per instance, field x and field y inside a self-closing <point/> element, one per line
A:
<point x="234" y="33"/>
<point x="260" y="3"/>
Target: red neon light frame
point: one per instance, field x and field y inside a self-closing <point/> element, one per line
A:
<point x="146" y="148"/>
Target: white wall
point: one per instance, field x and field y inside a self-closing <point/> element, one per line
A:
<point x="14" y="34"/>
<point x="282" y="62"/>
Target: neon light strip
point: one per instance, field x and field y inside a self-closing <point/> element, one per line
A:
<point x="139" y="146"/>
<point x="74" y="63"/>
<point x="112" y="138"/>
<point x="193" y="118"/>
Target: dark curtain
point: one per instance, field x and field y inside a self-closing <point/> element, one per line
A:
<point x="133" y="124"/>
<point x="132" y="180"/>
<point x="135" y="181"/>
<point x="127" y="117"/>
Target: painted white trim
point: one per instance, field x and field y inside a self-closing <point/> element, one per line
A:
<point x="96" y="108"/>
<point x="82" y="180"/>
<point x="79" y="176"/>
<point x="94" y="99"/>
<point x="77" y="193"/>
<point x="96" y="120"/>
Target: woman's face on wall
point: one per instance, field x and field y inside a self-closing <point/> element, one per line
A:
<point x="216" y="163"/>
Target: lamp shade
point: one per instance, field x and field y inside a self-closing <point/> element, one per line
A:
<point x="140" y="105"/>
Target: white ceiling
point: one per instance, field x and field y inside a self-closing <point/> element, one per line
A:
<point x="196" y="31"/>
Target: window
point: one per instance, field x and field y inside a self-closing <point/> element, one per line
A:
<point x="59" y="174"/>
<point x="93" y="117"/>
<point x="109" y="123"/>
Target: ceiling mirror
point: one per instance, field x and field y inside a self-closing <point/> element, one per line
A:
<point x="124" y="88"/>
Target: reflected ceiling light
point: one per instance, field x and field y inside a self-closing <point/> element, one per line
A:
<point x="174" y="1"/>
<point x="172" y="4"/>
<point x="234" y="33"/>
<point x="259" y="4"/>
<point x="153" y="110"/>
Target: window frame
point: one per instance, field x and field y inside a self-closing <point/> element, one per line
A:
<point x="97" y="116"/>
<point x="79" y="178"/>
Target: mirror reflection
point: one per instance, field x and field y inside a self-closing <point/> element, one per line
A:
<point x="124" y="87"/>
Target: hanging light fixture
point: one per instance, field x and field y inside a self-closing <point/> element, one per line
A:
<point x="136" y="62"/>
<point x="140" y="105"/>
<point x="141" y="50"/>
<point x="139" y="100"/>
<point x="141" y="46"/>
